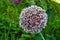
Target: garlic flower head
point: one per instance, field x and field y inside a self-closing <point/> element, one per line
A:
<point x="33" y="19"/>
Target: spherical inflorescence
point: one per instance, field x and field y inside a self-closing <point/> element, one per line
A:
<point x="33" y="19"/>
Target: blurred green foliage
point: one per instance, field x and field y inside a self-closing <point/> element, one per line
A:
<point x="9" y="20"/>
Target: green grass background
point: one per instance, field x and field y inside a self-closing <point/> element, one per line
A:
<point x="9" y="20"/>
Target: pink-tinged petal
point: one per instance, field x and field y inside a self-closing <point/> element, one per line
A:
<point x="33" y="24"/>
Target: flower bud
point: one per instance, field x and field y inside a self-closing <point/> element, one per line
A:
<point x="17" y="1"/>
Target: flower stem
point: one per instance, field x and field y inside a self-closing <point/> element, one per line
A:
<point x="42" y="36"/>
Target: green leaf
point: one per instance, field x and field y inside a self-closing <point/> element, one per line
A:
<point x="22" y="38"/>
<point x="26" y="35"/>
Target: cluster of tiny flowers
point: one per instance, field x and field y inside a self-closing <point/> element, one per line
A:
<point x="33" y="19"/>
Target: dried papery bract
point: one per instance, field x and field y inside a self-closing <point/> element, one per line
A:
<point x="33" y="19"/>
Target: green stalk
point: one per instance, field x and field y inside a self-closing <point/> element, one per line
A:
<point x="42" y="36"/>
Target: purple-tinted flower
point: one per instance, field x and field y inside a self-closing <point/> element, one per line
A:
<point x="34" y="19"/>
<point x="17" y="1"/>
